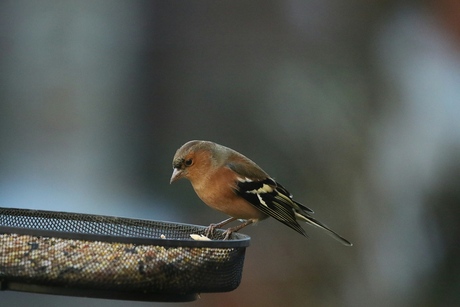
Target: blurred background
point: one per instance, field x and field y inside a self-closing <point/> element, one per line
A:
<point x="354" y="106"/>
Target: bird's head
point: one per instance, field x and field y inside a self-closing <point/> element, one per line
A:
<point x="192" y="160"/>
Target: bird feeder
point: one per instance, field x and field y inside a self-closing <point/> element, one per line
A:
<point x="115" y="258"/>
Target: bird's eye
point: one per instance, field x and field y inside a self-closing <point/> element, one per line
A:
<point x="188" y="162"/>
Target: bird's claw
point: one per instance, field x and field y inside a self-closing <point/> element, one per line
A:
<point x="228" y="234"/>
<point x="210" y="230"/>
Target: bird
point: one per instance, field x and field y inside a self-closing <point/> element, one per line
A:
<point x="228" y="181"/>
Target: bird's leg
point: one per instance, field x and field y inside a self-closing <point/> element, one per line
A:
<point x="229" y="231"/>
<point x="210" y="230"/>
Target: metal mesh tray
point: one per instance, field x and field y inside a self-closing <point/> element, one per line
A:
<point x="111" y="257"/>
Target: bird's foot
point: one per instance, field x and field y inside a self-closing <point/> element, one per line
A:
<point x="229" y="231"/>
<point x="228" y="234"/>
<point x="210" y="230"/>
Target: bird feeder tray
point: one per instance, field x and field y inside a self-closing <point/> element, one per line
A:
<point x="116" y="258"/>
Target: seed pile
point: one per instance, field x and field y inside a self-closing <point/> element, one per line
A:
<point x="116" y="266"/>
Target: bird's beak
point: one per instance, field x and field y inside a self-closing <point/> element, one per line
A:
<point x="177" y="174"/>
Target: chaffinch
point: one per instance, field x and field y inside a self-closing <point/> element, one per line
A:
<point x="227" y="181"/>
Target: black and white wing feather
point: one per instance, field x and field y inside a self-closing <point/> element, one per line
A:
<point x="265" y="196"/>
<point x="274" y="200"/>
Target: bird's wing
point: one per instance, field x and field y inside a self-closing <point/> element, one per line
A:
<point x="255" y="173"/>
<point x="263" y="195"/>
<point x="285" y="192"/>
<point x="274" y="200"/>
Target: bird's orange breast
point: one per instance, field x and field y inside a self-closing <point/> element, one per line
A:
<point x="218" y="191"/>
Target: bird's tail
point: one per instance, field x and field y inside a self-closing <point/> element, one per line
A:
<point x="318" y="224"/>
